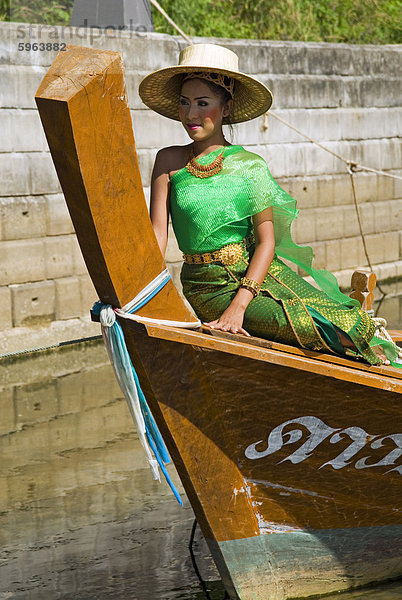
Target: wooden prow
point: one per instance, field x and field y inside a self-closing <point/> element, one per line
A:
<point x="363" y="285"/>
<point x="83" y="107"/>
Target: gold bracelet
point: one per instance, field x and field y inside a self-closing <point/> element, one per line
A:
<point x="251" y="285"/>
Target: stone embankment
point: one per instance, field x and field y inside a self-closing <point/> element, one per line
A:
<point x="346" y="97"/>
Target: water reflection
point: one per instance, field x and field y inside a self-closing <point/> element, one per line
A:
<point x="389" y="306"/>
<point x="80" y="515"/>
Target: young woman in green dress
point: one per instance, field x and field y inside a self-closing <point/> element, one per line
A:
<point x="232" y="220"/>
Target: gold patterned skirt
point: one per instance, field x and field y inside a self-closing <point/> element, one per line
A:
<point x="288" y="309"/>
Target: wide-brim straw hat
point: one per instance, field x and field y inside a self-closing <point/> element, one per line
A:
<point x="160" y="90"/>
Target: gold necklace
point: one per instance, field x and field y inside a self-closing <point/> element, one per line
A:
<point x="205" y="170"/>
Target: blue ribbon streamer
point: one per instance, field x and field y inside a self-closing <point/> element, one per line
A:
<point x="124" y="363"/>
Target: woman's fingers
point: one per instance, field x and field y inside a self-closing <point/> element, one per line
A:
<point x="211" y="324"/>
<point x="227" y="327"/>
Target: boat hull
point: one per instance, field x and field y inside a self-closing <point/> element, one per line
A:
<point x="303" y="563"/>
<point x="320" y="513"/>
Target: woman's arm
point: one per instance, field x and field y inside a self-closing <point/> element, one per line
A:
<point x="159" y="205"/>
<point x="232" y="318"/>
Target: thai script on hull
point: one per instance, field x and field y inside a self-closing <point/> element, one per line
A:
<point x="318" y="432"/>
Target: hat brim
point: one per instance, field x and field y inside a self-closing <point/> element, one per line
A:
<point x="160" y="91"/>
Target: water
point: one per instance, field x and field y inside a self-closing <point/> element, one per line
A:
<point x="389" y="306"/>
<point x="80" y="515"/>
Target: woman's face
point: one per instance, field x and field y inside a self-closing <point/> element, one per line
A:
<point x="201" y="111"/>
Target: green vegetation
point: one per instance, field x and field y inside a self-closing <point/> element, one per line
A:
<point x="350" y="21"/>
<point x="51" y="12"/>
<point x="4" y="10"/>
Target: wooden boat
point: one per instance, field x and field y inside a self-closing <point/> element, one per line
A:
<point x="289" y="457"/>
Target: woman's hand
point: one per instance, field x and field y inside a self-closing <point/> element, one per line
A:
<point x="231" y="319"/>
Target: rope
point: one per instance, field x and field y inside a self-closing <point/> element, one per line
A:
<point x="351" y="164"/>
<point x="150" y="321"/>
<point x="352" y="168"/>
<point x="195" y="566"/>
<point x="50" y="347"/>
<point x="194" y="562"/>
<point x="363" y="238"/>
<point x="383" y="334"/>
<point x="169" y="20"/>
<point x="356" y="168"/>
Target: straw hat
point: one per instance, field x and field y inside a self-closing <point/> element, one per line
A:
<point x="160" y="90"/>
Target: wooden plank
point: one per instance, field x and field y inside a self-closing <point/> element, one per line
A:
<point x="330" y="358"/>
<point x="215" y="404"/>
<point x="328" y="369"/>
<point x="321" y="356"/>
<point x="82" y="102"/>
<point x="396" y="335"/>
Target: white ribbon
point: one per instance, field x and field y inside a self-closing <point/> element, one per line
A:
<point x="126" y="380"/>
<point x="117" y="352"/>
<point x="151" y="321"/>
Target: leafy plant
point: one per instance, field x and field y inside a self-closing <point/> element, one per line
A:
<point x="4" y="10"/>
<point x="349" y="21"/>
<point x="53" y="12"/>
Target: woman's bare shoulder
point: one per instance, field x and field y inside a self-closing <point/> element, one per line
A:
<point x="172" y="158"/>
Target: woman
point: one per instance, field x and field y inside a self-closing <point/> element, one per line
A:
<point x="232" y="220"/>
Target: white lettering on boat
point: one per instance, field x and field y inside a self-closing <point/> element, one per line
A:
<point x="317" y="433"/>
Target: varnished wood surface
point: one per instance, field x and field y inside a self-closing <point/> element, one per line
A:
<point x="371" y="376"/>
<point x="83" y="106"/>
<point x="363" y="284"/>
<point x="396" y="335"/>
<point x="329" y="358"/>
<point x="215" y="404"/>
<point x="262" y="343"/>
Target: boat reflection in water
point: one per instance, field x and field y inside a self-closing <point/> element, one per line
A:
<point x="80" y="515"/>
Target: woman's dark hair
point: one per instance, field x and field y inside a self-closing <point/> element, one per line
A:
<point x="218" y="90"/>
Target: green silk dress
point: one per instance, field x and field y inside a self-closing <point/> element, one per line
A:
<point x="208" y="213"/>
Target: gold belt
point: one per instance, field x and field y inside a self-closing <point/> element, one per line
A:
<point x="227" y="255"/>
